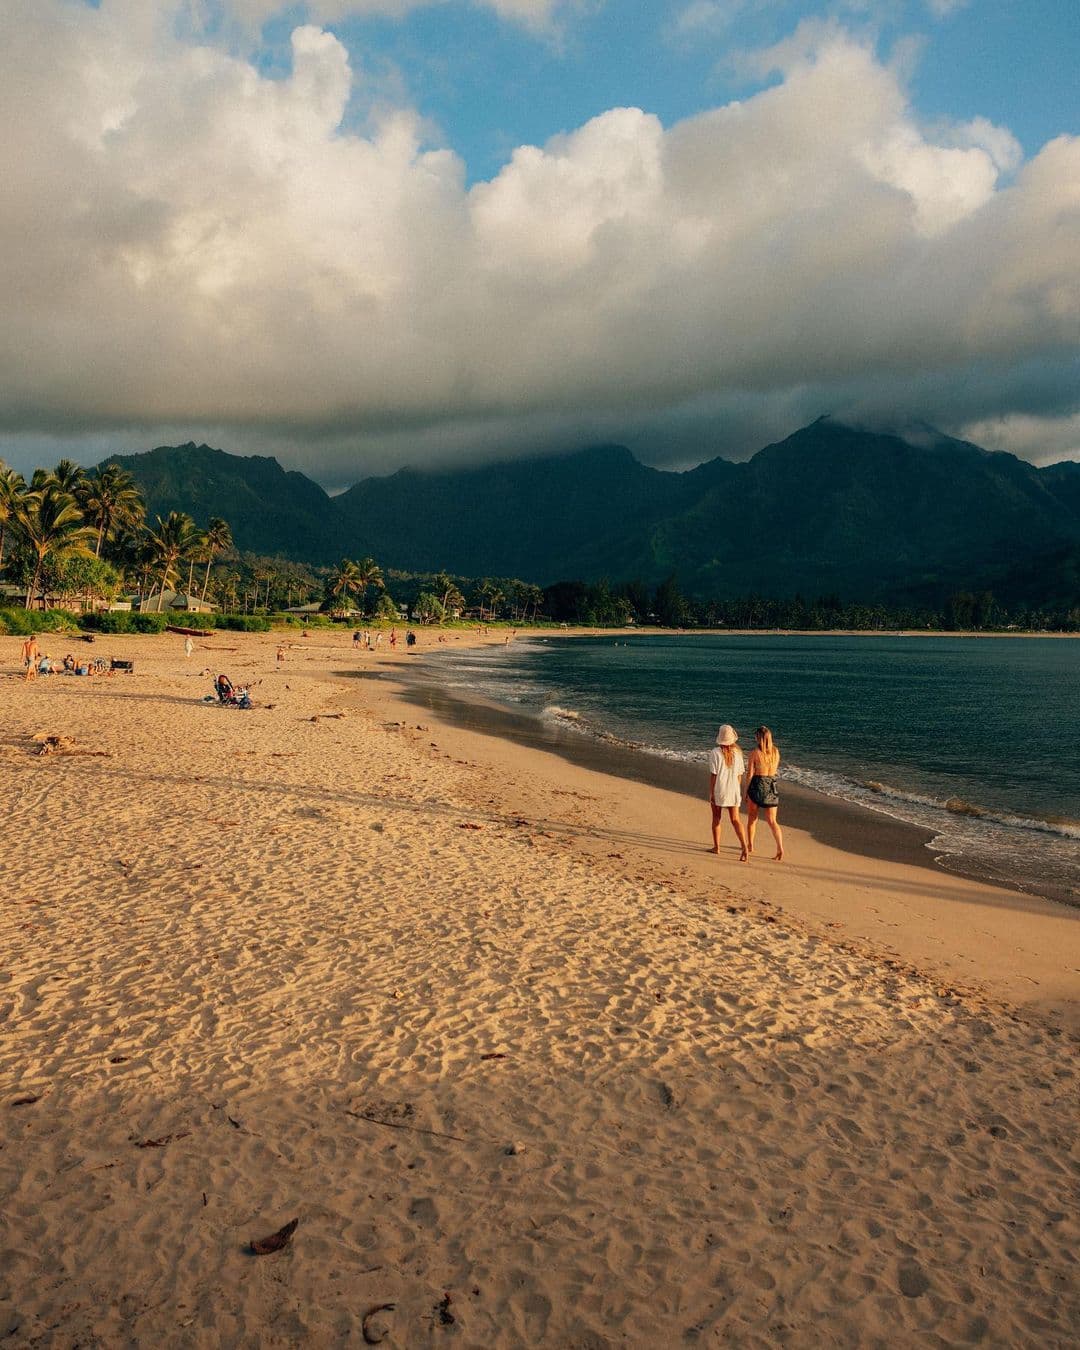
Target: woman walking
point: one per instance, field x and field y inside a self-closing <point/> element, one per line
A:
<point x="726" y="766"/>
<point x="761" y="793"/>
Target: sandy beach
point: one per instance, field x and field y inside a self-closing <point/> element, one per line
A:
<point x="527" y="1064"/>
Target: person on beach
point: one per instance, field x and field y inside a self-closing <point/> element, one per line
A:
<point x="726" y="766"/>
<point x="356" y="639"/>
<point x="393" y="638"/>
<point x="189" y="647"/>
<point x="761" y="793"/>
<point x="31" y="654"/>
<point x="280" y="655"/>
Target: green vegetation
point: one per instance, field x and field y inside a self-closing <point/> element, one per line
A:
<point x="73" y="540"/>
<point x="20" y="623"/>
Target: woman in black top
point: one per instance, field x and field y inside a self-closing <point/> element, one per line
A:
<point x="761" y="793"/>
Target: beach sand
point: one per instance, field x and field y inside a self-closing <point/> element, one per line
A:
<point x="524" y="1061"/>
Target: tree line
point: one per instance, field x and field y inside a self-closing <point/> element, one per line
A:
<point x="634" y="602"/>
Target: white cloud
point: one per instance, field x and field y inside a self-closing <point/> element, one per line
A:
<point x="185" y="242"/>
<point x="537" y="14"/>
<point x="705" y="16"/>
<point x="1046" y="440"/>
<point x="943" y="9"/>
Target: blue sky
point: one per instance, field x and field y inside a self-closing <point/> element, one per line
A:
<point x="489" y="84"/>
<point x="365" y="233"/>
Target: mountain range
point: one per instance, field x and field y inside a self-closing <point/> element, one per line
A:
<point x="832" y="509"/>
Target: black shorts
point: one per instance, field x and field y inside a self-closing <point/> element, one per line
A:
<point x="762" y="791"/>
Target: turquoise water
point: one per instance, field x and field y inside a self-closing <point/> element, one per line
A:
<point x="977" y="740"/>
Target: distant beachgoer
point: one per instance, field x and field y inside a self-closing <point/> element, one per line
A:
<point x="726" y="766"/>
<point x="189" y="647"/>
<point x="31" y="655"/>
<point x="45" y="665"/>
<point x="280" y="655"/>
<point x="69" y="664"/>
<point x="393" y="638"/>
<point x="410" y="638"/>
<point x="356" y="638"/>
<point x="761" y="793"/>
<point x="378" y="641"/>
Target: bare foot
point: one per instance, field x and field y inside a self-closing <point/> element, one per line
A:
<point x="779" y="856"/>
<point x="712" y="850"/>
<point x="744" y="856"/>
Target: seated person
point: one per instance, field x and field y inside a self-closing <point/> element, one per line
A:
<point x="82" y="668"/>
<point x="45" y="666"/>
<point x="224" y="688"/>
<point x="69" y="664"/>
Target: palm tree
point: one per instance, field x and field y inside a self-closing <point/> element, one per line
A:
<point x="370" y="575"/>
<point x="12" y="486"/>
<point x="217" y="539"/>
<point x="173" y="539"/>
<point x="347" y="580"/>
<point x="69" y="477"/>
<point x="51" y="524"/>
<point x="449" y="596"/>
<point x="487" y="590"/>
<point x="197" y="552"/>
<point x="526" y="593"/>
<point x="111" y="501"/>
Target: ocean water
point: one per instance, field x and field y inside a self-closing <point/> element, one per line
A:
<point x="977" y="740"/>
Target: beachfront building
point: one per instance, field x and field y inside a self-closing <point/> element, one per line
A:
<point x="166" y="601"/>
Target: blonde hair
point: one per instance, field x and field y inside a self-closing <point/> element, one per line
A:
<point x="728" y="751"/>
<point x="770" y="751"/>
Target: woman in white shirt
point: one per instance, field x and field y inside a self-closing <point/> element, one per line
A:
<point x="726" y="767"/>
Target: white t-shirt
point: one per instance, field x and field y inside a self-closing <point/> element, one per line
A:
<point x="726" y="791"/>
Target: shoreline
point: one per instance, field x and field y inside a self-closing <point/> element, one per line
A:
<point x="856" y="864"/>
<point x="865" y="829"/>
<point x="831" y="820"/>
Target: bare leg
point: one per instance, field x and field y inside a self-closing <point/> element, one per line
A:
<point x="717" y="818"/>
<point x="751" y="824"/>
<point x="778" y="834"/>
<point x="740" y="833"/>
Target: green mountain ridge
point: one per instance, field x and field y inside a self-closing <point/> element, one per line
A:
<point x="831" y="509"/>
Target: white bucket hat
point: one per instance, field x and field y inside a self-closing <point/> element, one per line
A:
<point x="727" y="735"/>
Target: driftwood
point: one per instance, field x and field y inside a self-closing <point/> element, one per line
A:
<point x="276" y="1242"/>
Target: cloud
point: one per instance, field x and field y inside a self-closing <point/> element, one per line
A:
<point x="944" y="9"/>
<point x="707" y="16"/>
<point x="186" y="243"/>
<point x="1045" y="440"/>
<point x="536" y="14"/>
